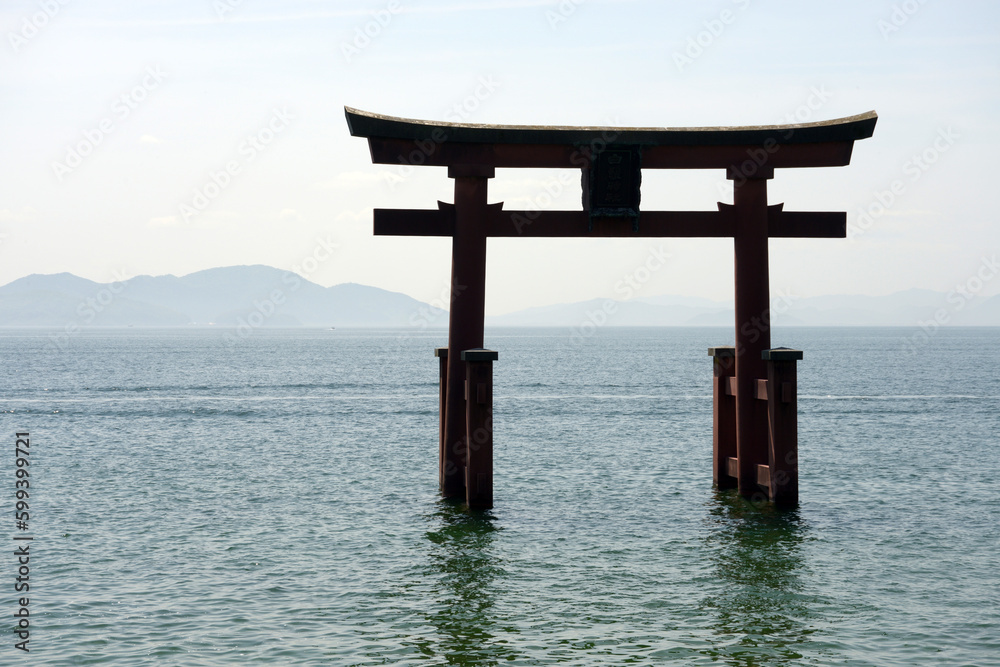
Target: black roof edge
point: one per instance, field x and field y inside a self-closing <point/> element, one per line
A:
<point x="372" y="125"/>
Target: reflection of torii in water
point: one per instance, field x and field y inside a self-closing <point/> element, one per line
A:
<point x="755" y="438"/>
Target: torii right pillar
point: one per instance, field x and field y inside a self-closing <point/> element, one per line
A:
<point x="764" y="386"/>
<point x="753" y="331"/>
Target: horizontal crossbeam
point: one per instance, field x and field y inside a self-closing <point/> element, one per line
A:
<point x="554" y="156"/>
<point x="564" y="224"/>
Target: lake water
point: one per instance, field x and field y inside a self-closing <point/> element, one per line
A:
<point x="198" y="502"/>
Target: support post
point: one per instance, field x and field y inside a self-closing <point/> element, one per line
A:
<point x="723" y="415"/>
<point x="467" y="312"/>
<point x="753" y="322"/>
<point x="782" y="417"/>
<point x="442" y="354"/>
<point x="479" y="425"/>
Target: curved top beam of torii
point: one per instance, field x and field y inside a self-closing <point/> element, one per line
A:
<point x="408" y="141"/>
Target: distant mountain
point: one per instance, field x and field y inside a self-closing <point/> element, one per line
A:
<point x="910" y="308"/>
<point x="262" y="296"/>
<point x="254" y="296"/>
<point x="986" y="313"/>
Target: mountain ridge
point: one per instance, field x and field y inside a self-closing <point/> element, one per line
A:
<point x="258" y="295"/>
<point x="250" y="295"/>
<point x="908" y="308"/>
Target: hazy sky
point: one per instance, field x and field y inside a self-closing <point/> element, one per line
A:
<point x="119" y="120"/>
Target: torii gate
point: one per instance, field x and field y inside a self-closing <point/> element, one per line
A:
<point x="754" y="400"/>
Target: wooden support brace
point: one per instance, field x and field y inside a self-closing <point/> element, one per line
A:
<point x="782" y="417"/>
<point x="723" y="416"/>
<point x="761" y="390"/>
<point x="733" y="468"/>
<point x="479" y="425"/>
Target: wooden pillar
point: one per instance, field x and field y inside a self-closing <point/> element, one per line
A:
<point x="479" y="427"/>
<point x="467" y="312"/>
<point x="782" y="417"/>
<point x="723" y="415"/>
<point x="753" y="330"/>
<point x="442" y="354"/>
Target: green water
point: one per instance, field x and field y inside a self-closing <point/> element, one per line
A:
<point x="276" y="503"/>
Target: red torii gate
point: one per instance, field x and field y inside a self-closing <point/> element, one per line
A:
<point x="754" y="399"/>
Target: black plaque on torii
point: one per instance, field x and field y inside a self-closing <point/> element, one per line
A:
<point x="612" y="183"/>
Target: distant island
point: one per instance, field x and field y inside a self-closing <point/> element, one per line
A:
<point x="263" y="296"/>
<point x="252" y="296"/>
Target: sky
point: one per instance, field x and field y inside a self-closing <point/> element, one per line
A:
<point x="172" y="136"/>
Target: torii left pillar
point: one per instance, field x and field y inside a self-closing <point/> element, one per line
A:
<point x="753" y="329"/>
<point x="466" y="316"/>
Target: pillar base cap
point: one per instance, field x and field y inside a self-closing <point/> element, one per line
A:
<point x="479" y="355"/>
<point x="781" y="354"/>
